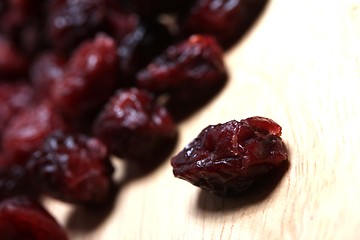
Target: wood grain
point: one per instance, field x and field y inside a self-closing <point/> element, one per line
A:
<point x="299" y="65"/>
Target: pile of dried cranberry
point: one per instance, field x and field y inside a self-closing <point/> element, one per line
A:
<point x="82" y="80"/>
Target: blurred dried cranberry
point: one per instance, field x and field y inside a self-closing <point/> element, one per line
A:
<point x="134" y="126"/>
<point x="47" y="68"/>
<point x="226" y="20"/>
<point x="121" y="22"/>
<point x="185" y="70"/>
<point x="146" y="40"/>
<point x="14" y="97"/>
<point x="27" y="130"/>
<point x="70" y="22"/>
<point x="17" y="13"/>
<point x="24" y="218"/>
<point x="73" y="168"/>
<point x="14" y="179"/>
<point x="13" y="63"/>
<point x="22" y="22"/>
<point x="89" y="79"/>
<point x="228" y="158"/>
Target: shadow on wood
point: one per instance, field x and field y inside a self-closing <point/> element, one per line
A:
<point x="208" y="202"/>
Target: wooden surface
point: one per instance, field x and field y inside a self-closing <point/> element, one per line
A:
<point x="299" y="65"/>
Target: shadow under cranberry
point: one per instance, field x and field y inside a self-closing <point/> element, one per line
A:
<point x="208" y="202"/>
<point x="182" y="108"/>
<point x="137" y="168"/>
<point x="85" y="219"/>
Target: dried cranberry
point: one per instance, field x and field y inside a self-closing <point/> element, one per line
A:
<point x="22" y="22"/>
<point x="146" y="40"/>
<point x="14" y="97"/>
<point x="14" y="179"/>
<point x="134" y="126"/>
<point x="185" y="70"/>
<point x="121" y="23"/>
<point x="24" y="218"/>
<point x="226" y="20"/>
<point x="72" y="167"/>
<point x="89" y="79"/>
<point x="70" y="22"/>
<point x="13" y="63"/>
<point x="27" y="130"/>
<point x="228" y="158"/>
<point x="45" y="70"/>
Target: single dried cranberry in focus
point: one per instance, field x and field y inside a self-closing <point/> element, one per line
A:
<point x="89" y="79"/>
<point x="70" y="22"/>
<point x="46" y="69"/>
<point x="134" y="126"/>
<point x="14" y="97"/>
<point x="186" y="70"/>
<point x="226" y="20"/>
<point x="27" y="130"/>
<point x="73" y="168"/>
<point x="13" y="63"/>
<point x="24" y="218"/>
<point x="228" y="158"/>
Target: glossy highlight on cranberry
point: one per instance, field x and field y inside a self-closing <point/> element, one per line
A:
<point x="228" y="158"/>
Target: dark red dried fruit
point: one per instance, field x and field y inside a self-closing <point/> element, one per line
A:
<point x="121" y="22"/>
<point x="228" y="158"/>
<point x="70" y="22"/>
<point x="74" y="168"/>
<point x="134" y="126"/>
<point x="13" y="63"/>
<point x="89" y="79"/>
<point x="226" y="20"/>
<point x="46" y="69"/>
<point x="24" y="218"/>
<point x="14" y="179"/>
<point x="14" y="97"/>
<point x="186" y="70"/>
<point x="146" y="40"/>
<point x="27" y="130"/>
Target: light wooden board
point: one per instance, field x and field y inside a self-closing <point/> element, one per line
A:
<point x="299" y="65"/>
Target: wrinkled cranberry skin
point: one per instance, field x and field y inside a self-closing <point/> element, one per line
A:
<point x="134" y="126"/>
<point x="226" y="20"/>
<point x="14" y="97"/>
<point x="89" y="79"/>
<point x="228" y="158"/>
<point x="70" y="22"/>
<point x="185" y="70"/>
<point x="47" y="68"/>
<point x="13" y="64"/>
<point x="72" y="167"/>
<point x="27" y="130"/>
<point x="24" y="218"/>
